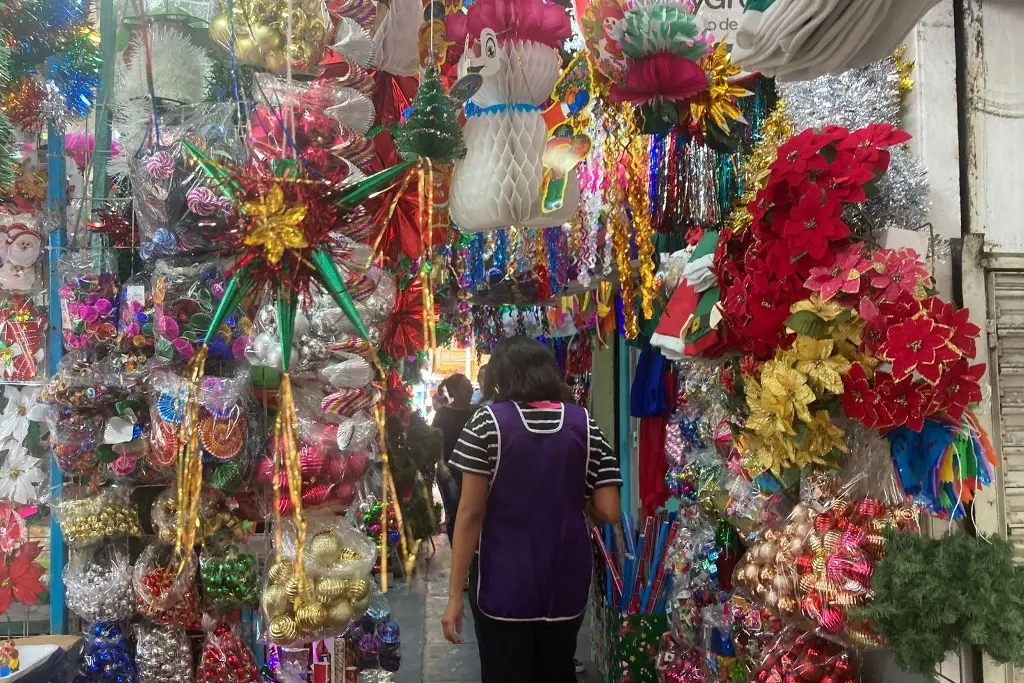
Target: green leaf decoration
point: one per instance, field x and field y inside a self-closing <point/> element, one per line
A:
<point x="808" y="324"/>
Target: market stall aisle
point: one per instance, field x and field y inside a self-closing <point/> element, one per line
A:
<point x="426" y="656"/>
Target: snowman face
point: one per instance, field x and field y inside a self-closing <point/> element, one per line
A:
<point x="25" y="250"/>
<point x="488" y="61"/>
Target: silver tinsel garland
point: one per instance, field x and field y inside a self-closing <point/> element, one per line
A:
<point x="853" y="100"/>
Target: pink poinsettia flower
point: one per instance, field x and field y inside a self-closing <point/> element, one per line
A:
<point x="898" y="270"/>
<point x="844" y="275"/>
<point x="13" y="531"/>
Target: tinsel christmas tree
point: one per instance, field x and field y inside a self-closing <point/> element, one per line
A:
<point x="6" y="130"/>
<point x="933" y="595"/>
<point x="432" y="130"/>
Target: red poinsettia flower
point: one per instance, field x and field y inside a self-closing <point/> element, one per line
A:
<point x="13" y="530"/>
<point x="798" y="157"/>
<point x="858" y="396"/>
<point x="869" y="144"/>
<point x="818" y="212"/>
<point x="19" y="577"/>
<point x="846" y="183"/>
<point x="897" y="271"/>
<point x="900" y="403"/>
<point x="904" y="307"/>
<point x="750" y="366"/>
<point x="965" y="333"/>
<point x="959" y="388"/>
<point x="914" y="345"/>
<point x="843" y="276"/>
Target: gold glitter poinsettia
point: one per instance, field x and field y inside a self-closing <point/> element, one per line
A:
<point x="769" y="414"/>
<point x="773" y="454"/>
<point x="826" y="310"/>
<point x="815" y="359"/>
<point x="823" y="438"/>
<point x="718" y="102"/>
<point x="273" y="225"/>
<point x="780" y="382"/>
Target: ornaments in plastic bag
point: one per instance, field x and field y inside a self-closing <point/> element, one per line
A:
<point x="229" y="578"/>
<point x="166" y="596"/>
<point x="98" y="584"/>
<point x="261" y="39"/>
<point x="164" y="654"/>
<point x="107" y="655"/>
<point x="225" y="659"/>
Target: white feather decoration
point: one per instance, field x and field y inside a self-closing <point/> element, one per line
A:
<point x="181" y="73"/>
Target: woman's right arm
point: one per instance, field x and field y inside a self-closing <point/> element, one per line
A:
<point x="603" y="478"/>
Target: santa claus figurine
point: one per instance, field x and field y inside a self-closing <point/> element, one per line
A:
<point x="19" y="249"/>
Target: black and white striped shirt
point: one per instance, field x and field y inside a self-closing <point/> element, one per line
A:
<point x="477" y="449"/>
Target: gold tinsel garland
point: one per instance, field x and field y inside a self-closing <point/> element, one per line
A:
<point x="640" y="206"/>
<point x="775" y="131"/>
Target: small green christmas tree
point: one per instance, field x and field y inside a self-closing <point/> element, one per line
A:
<point x="6" y="129"/>
<point x="432" y="130"/>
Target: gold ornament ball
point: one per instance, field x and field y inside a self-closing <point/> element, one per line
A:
<point x="220" y="30"/>
<point x="310" y="615"/>
<point x="248" y="51"/>
<point x="280" y="571"/>
<point x="324" y="548"/>
<point x="329" y="589"/>
<point x="357" y="590"/>
<point x="359" y="607"/>
<point x="267" y="38"/>
<point x="276" y="601"/>
<point x="340" y="613"/>
<point x="283" y="629"/>
<point x="275" y="60"/>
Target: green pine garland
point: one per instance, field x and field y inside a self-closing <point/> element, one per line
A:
<point x="934" y="595"/>
<point x="432" y="130"/>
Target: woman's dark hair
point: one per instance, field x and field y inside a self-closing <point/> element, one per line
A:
<point x="522" y="369"/>
<point x="459" y="388"/>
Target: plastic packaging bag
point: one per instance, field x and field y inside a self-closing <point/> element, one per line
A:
<point x="226" y="659"/>
<point x="89" y="296"/>
<point x="328" y="117"/>
<point x="186" y="295"/>
<point x="800" y="656"/>
<point x="338" y="561"/>
<point x="83" y="381"/>
<point x="86" y="518"/>
<point x="229" y="578"/>
<point x="216" y="523"/>
<point x="260" y="34"/>
<point x="98" y="583"/>
<point x="165" y="595"/>
<point x="180" y="209"/>
<point x="23" y="332"/>
<point x="136" y="321"/>
<point x="225" y="424"/>
<point x="164" y="654"/>
<point x="106" y="654"/>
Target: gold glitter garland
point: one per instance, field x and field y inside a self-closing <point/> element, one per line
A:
<point x="640" y="205"/>
<point x="616" y="223"/>
<point x="776" y="129"/>
<point x="904" y="68"/>
<point x="189" y="463"/>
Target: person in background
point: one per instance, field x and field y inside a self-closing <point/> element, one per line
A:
<point x="533" y="466"/>
<point x="481" y="391"/>
<point x="450" y="417"/>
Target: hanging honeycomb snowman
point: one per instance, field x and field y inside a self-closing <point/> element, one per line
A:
<point x="513" y="174"/>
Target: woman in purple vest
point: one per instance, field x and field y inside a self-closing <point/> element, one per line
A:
<point x="533" y="465"/>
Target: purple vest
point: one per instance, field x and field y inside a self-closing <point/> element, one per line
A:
<point x="535" y="551"/>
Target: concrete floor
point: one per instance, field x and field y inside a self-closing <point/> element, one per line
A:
<point x="427" y="657"/>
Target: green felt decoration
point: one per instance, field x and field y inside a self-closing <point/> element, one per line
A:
<point x="934" y="595"/>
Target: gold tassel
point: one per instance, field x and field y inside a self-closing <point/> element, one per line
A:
<point x="639" y="203"/>
<point x="286" y="425"/>
<point x="189" y="463"/>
